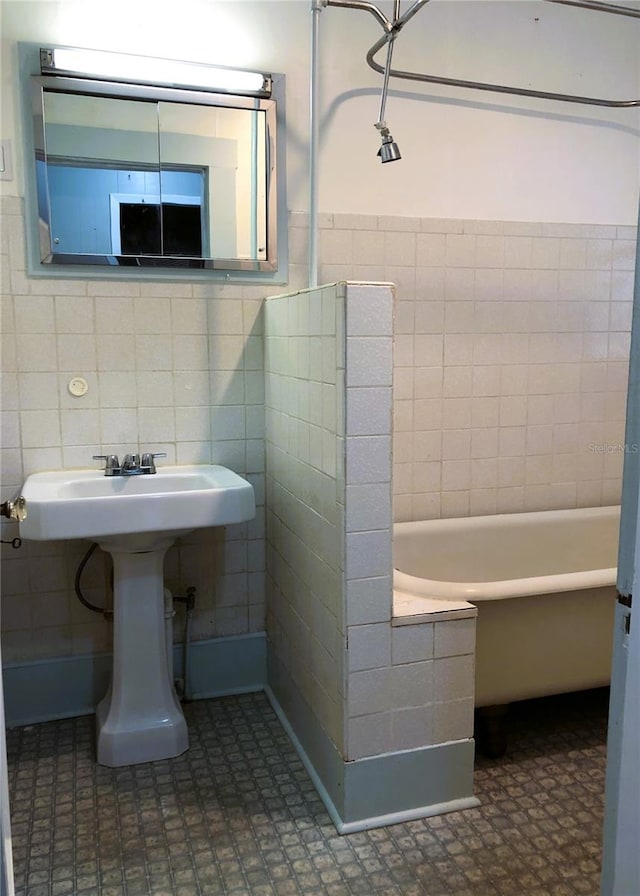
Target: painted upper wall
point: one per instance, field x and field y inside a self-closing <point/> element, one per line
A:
<point x="466" y="154"/>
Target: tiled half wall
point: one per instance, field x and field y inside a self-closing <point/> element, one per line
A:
<point x="510" y="361"/>
<point x="373" y="688"/>
<point x="328" y="422"/>
<point x="359" y="695"/>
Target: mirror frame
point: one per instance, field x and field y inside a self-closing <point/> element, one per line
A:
<point x="273" y="269"/>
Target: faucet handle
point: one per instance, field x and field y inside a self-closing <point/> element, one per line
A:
<point x="148" y="460"/>
<point x="110" y="463"/>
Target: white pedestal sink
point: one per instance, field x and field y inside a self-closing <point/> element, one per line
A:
<point x="135" y="519"/>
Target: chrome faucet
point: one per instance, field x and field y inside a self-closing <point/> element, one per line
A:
<point x="131" y="464"/>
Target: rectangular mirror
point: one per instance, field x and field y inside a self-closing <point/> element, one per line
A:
<point x="143" y="176"/>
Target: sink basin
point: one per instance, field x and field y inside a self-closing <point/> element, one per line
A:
<point x="87" y="504"/>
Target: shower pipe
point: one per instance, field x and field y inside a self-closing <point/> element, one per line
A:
<point x="314" y="138"/>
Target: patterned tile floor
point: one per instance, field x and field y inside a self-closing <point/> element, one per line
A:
<point x="237" y="814"/>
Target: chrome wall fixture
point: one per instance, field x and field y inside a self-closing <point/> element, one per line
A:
<point x="391" y="27"/>
<point x="180" y="159"/>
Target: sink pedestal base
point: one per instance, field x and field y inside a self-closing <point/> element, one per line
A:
<point x="140" y="718"/>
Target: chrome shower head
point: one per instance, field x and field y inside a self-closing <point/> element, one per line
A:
<point x="389" y="151"/>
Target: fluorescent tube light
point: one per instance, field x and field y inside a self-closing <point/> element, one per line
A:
<point x="105" y="65"/>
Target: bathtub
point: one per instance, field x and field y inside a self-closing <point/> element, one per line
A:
<point x="543" y="584"/>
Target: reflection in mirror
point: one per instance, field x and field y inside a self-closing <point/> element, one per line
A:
<point x="153" y="177"/>
<point x="228" y="147"/>
<point x="97" y="150"/>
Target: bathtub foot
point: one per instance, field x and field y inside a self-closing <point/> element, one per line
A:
<point x="491" y="730"/>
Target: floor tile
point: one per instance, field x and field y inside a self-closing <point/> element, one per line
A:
<point x="237" y="814"/>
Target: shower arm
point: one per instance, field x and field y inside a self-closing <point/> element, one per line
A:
<point x="392" y="29"/>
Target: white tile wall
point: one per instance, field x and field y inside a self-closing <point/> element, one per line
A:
<point x="511" y="349"/>
<point x="417" y="693"/>
<point x="509" y="381"/>
<point x="174" y="367"/>
<point x="305" y="433"/>
<point x="374" y="688"/>
<point x="329" y="508"/>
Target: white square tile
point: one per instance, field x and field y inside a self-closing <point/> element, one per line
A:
<point x="38" y="429"/>
<point x="412" y="643"/>
<point x="45" y="458"/>
<point x="368" y="507"/>
<point x="518" y="251"/>
<point x="430" y="249"/>
<point x="412" y="728"/>
<point x="453" y="678"/>
<point x="114" y="314"/>
<point x="34" y="352"/>
<point x="454" y="637"/>
<point x="192" y="424"/>
<point x="399" y="249"/>
<point x="36" y="391"/>
<point x="113" y="353"/>
<point x="369" y="646"/>
<point x="369" y="692"/>
<point x="456" y="413"/>
<point x="456" y="444"/>
<point x="188" y="352"/>
<point x="456" y="474"/>
<point x="428" y="382"/>
<point x="369" y="735"/>
<point x="368" y="459"/>
<point x="453" y="720"/>
<point x="153" y="352"/>
<point x="80" y="427"/>
<point x="35" y="314"/>
<point x="368" y="600"/>
<point x="411" y="684"/>
<point x="460" y="250"/>
<point x="369" y="361"/>
<point x="119" y="427"/>
<point x="369" y="310"/>
<point x="74" y="314"/>
<point x="117" y="389"/>
<point x="368" y="554"/>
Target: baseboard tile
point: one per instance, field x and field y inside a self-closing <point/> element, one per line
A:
<point x="64" y="687"/>
<point x="351" y="785"/>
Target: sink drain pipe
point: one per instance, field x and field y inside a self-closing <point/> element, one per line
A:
<point x="169" y="613"/>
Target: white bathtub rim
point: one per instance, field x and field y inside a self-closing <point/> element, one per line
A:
<point x="501" y="589"/>
<point x="506" y="519"/>
<point x="505" y="589"/>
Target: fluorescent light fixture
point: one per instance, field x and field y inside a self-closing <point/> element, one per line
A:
<point x="104" y="65"/>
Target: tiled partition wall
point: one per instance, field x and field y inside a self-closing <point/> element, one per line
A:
<point x="304" y="410"/>
<point x="171" y="366"/>
<point x="328" y="421"/>
<point x="356" y="693"/>
<point x="511" y="350"/>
